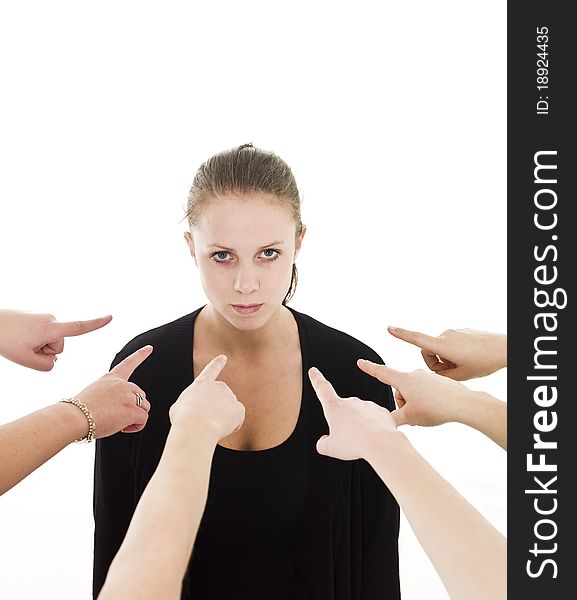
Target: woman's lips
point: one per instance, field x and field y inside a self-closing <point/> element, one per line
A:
<point x="246" y="309"/>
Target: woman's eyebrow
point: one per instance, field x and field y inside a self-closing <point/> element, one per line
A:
<point x="215" y="245"/>
<point x="275" y="243"/>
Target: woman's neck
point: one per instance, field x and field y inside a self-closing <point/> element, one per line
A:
<point x="237" y="342"/>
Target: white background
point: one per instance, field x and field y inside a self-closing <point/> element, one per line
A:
<point x="392" y="116"/>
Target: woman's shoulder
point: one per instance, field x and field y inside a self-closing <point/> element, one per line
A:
<point x="334" y="341"/>
<point x="336" y="353"/>
<point x="164" y="338"/>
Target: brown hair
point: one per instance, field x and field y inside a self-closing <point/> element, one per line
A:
<point x="241" y="170"/>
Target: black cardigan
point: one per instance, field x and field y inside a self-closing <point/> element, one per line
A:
<point x="346" y="544"/>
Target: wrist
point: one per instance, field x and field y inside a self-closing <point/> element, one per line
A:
<point x="473" y="408"/>
<point x="197" y="431"/>
<point x="503" y="351"/>
<point x="385" y="443"/>
<point x="76" y="423"/>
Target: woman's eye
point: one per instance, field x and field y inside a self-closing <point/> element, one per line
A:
<point x="220" y="256"/>
<point x="270" y="254"/>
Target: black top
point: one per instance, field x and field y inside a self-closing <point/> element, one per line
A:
<point x="252" y="512"/>
<point x="282" y="523"/>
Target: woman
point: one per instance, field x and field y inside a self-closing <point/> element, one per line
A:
<point x="467" y="551"/>
<point x="281" y="521"/>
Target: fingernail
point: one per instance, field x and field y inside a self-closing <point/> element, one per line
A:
<point x="364" y="360"/>
<point x="393" y="328"/>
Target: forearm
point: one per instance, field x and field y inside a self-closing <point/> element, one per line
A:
<point x="154" y="555"/>
<point x="486" y="414"/>
<point x="467" y="551"/>
<point x="6" y="334"/>
<point x="501" y="351"/>
<point x="27" y="443"/>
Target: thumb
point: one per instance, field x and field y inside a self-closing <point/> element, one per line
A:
<point x="43" y="362"/>
<point x="125" y="368"/>
<point x="323" y="445"/>
<point x="458" y="373"/>
<point x="399" y="416"/>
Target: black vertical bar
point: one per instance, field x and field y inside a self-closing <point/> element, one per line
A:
<point x="541" y="273"/>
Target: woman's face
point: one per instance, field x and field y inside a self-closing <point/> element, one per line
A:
<point x="244" y="247"/>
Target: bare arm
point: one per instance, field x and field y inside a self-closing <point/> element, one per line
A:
<point x="469" y="554"/>
<point x="467" y="551"/>
<point x="152" y="560"/>
<point x="153" y="557"/>
<point x="426" y="399"/>
<point x="459" y="353"/>
<point x="27" y="443"/>
<point x="488" y="415"/>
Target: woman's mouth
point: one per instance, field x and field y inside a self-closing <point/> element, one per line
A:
<point x="246" y="309"/>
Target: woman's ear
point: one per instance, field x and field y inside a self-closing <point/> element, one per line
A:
<point x="299" y="241"/>
<point x="190" y="244"/>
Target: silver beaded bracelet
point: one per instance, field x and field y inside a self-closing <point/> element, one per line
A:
<point x="91" y="424"/>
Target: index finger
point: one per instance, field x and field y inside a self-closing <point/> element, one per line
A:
<point x="213" y="368"/>
<point x="381" y="372"/>
<point x="422" y="340"/>
<point x="323" y="387"/>
<point x="71" y="328"/>
<point x="126" y="367"/>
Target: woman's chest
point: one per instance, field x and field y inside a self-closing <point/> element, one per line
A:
<point x="254" y="510"/>
<point x="271" y="394"/>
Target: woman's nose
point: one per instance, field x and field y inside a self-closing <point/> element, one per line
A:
<point x="246" y="280"/>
